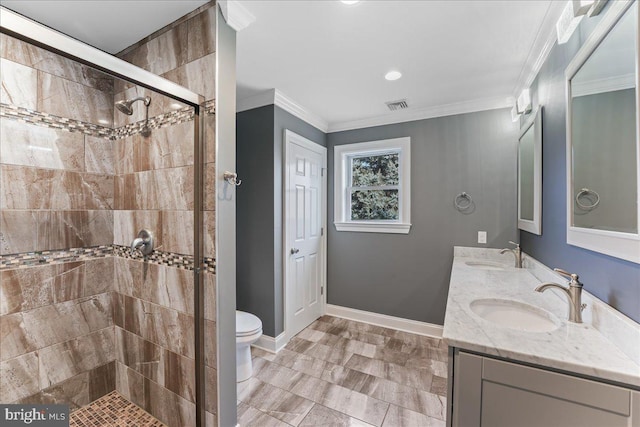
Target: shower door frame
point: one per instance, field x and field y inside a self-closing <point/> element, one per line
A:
<point x="20" y="27"/>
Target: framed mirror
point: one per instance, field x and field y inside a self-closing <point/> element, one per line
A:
<point x="603" y="150"/>
<point x="530" y="174"/>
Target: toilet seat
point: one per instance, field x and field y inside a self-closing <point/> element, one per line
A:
<point x="247" y="334"/>
<point x="247" y="324"/>
<point x="248" y="331"/>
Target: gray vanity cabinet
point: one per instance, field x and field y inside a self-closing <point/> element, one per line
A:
<point x="496" y="393"/>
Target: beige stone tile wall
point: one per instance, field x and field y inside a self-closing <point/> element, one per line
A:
<point x="56" y="330"/>
<point x="73" y="332"/>
<point x="57" y="186"/>
<point x="56" y="192"/>
<point x="154" y="185"/>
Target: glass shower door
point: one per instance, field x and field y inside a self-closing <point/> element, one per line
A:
<point x="85" y="320"/>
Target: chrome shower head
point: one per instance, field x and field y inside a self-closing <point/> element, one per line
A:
<point x="125" y="106"/>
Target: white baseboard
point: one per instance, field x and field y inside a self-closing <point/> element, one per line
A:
<point x="270" y="344"/>
<point x="392" y="322"/>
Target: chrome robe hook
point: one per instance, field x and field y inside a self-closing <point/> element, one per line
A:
<point x="232" y="178"/>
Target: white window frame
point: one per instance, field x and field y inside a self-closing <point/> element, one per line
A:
<point x="342" y="177"/>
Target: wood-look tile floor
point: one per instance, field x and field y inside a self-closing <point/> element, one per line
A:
<point x="339" y="372"/>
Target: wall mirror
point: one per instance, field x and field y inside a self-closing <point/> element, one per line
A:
<point x="530" y="174"/>
<point x="603" y="152"/>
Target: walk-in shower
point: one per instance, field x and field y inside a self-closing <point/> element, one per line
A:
<point x="84" y="320"/>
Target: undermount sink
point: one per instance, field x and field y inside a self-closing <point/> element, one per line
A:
<point x="515" y="315"/>
<point x="486" y="265"/>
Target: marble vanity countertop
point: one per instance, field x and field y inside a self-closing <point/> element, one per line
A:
<point x="577" y="348"/>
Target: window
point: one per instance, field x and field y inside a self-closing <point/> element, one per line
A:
<point x="372" y="186"/>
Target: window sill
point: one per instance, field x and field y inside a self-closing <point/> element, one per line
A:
<point x="373" y="227"/>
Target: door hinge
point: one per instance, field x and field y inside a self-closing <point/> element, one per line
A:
<point x="322" y="171"/>
<point x="322" y="231"/>
<point x="321" y="290"/>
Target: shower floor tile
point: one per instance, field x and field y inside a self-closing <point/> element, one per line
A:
<point x="113" y="410"/>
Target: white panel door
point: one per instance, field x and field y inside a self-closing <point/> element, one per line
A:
<point x="304" y="207"/>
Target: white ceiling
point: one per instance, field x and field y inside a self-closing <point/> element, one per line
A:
<point x="331" y="58"/>
<point x="108" y="25"/>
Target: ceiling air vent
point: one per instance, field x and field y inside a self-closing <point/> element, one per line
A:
<point x="397" y="105"/>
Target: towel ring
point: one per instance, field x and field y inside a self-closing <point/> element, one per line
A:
<point x="460" y="198"/>
<point x="585" y="192"/>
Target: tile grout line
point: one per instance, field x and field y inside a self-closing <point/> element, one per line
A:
<point x="386" y="414"/>
<point x="430" y="345"/>
<point x="363" y="372"/>
<point x="314" y="402"/>
<point x="328" y="382"/>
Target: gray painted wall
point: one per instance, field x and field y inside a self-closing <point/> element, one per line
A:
<point x="260" y="134"/>
<point x="614" y="281"/>
<point x="254" y="215"/>
<point x="408" y="275"/>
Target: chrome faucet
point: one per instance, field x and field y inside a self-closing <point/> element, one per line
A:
<point x="517" y="252"/>
<point x="144" y="242"/>
<point x="573" y="292"/>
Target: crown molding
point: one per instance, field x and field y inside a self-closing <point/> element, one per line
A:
<point x="236" y="15"/>
<point x="289" y="105"/>
<point x="425" y="113"/>
<point x="262" y="99"/>
<point x="541" y="47"/>
<point x="275" y="97"/>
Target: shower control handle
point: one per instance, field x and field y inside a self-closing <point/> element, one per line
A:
<point x="144" y="242"/>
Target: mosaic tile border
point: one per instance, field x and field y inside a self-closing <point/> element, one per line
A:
<point x="31" y="259"/>
<point x="210" y="106"/>
<point x="171" y="118"/>
<point x="49" y="120"/>
<point x="169" y="259"/>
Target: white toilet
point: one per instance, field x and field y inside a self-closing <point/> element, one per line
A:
<point x="248" y="330"/>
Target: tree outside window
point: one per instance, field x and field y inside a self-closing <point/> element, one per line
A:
<point x="373" y="186"/>
<point x="374" y="190"/>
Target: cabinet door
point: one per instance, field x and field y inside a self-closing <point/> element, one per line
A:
<point x="516" y="395"/>
<point x="467" y="390"/>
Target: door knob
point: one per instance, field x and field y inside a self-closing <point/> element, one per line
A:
<point x="294" y="251"/>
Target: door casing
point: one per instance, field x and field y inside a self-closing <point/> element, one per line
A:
<point x="291" y="138"/>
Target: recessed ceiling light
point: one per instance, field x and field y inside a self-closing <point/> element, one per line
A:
<point x="349" y="2"/>
<point x="393" y="75"/>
